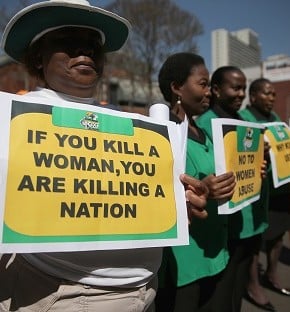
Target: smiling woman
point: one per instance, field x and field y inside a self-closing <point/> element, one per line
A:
<point x="245" y="227"/>
<point x="192" y="274"/>
<point x="71" y="58"/>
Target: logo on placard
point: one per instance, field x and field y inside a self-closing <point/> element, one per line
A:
<point x="280" y="132"/>
<point x="90" y="121"/>
<point x="248" y="139"/>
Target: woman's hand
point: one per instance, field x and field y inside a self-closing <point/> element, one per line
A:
<point x="196" y="194"/>
<point x="267" y="148"/>
<point x="220" y="187"/>
<point x="264" y="169"/>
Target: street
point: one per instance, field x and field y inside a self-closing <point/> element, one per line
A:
<point x="280" y="302"/>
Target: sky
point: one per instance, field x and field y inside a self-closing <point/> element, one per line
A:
<point x="269" y="19"/>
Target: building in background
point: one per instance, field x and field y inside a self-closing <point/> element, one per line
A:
<point x="13" y="77"/>
<point x="277" y="69"/>
<point x="241" y="48"/>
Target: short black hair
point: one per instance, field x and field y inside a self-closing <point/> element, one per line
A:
<point x="218" y="76"/>
<point x="257" y="85"/>
<point x="177" y="68"/>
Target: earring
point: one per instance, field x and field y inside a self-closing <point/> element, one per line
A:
<point x="178" y="102"/>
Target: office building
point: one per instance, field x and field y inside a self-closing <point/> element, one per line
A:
<point x="240" y="48"/>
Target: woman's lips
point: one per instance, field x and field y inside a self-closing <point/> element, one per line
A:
<point x="84" y="64"/>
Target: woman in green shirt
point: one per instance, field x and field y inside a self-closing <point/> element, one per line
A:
<point x="190" y="275"/>
<point x="262" y="99"/>
<point x="228" y="85"/>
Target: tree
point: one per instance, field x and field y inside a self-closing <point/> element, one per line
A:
<point x="159" y="28"/>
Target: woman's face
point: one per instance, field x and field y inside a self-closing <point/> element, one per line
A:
<point x="72" y="61"/>
<point x="195" y="93"/>
<point x="231" y="92"/>
<point x="264" y="98"/>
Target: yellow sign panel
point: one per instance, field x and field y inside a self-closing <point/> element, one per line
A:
<point x="278" y="135"/>
<point x="239" y="148"/>
<point x="247" y="168"/>
<point x="86" y="182"/>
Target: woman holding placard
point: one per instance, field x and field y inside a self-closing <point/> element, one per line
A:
<point x="190" y="275"/>
<point x="262" y="96"/>
<point x="228" y="87"/>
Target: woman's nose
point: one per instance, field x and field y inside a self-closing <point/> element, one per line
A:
<point x="272" y="97"/>
<point x="85" y="50"/>
<point x="242" y="93"/>
<point x="208" y="92"/>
